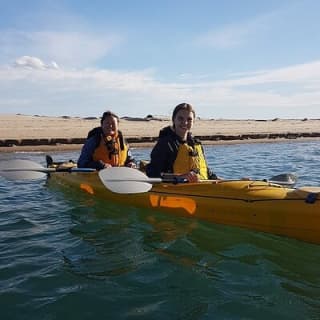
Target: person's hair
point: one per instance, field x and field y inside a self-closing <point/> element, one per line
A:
<point x="109" y="114"/>
<point x="183" y="106"/>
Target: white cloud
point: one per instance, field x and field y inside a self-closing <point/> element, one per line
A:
<point x="34" y="63"/>
<point x="306" y="73"/>
<point x="86" y="91"/>
<point x="67" y="48"/>
<point x="237" y="34"/>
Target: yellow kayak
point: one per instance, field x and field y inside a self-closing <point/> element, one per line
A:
<point x="256" y="205"/>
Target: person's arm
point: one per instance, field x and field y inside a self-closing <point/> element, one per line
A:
<point x="160" y="160"/>
<point x="85" y="160"/>
<point x="130" y="161"/>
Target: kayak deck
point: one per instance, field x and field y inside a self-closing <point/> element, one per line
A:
<point x="255" y="205"/>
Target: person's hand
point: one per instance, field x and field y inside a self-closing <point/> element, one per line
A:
<point x="131" y="165"/>
<point x="107" y="165"/>
<point x="190" y="176"/>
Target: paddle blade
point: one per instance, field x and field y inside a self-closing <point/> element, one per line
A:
<point x="125" y="180"/>
<point x="126" y="187"/>
<point x="285" y="179"/>
<point x="21" y="170"/>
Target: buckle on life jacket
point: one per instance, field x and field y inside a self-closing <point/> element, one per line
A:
<point x="193" y="153"/>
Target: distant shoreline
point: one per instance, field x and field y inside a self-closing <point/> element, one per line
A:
<point x="77" y="147"/>
<point x="41" y="133"/>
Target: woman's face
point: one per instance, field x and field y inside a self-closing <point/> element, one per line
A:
<point x="183" y="122"/>
<point x="110" y="126"/>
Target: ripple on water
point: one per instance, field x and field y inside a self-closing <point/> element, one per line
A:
<point x="63" y="254"/>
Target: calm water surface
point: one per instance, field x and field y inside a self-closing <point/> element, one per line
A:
<point x="64" y="255"/>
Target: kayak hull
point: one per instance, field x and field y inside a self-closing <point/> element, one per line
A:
<point x="255" y="205"/>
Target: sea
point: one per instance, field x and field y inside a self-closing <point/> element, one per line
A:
<point x="66" y="255"/>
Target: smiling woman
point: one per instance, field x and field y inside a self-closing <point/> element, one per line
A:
<point x="177" y="152"/>
<point x="105" y="146"/>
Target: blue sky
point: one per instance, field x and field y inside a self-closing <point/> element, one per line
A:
<point x="231" y="59"/>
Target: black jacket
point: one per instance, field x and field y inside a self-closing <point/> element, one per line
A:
<point x="165" y="152"/>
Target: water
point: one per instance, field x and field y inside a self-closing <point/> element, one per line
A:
<point x="64" y="255"/>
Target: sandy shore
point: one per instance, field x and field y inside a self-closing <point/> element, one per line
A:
<point x="64" y="131"/>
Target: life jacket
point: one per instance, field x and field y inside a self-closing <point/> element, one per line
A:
<point x="191" y="157"/>
<point x="111" y="150"/>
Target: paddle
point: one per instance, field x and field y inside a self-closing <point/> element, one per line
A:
<point x="30" y="170"/>
<point x="116" y="179"/>
<point x="284" y="179"/>
<point x="128" y="180"/>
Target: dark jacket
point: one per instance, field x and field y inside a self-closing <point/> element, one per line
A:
<point x="165" y="152"/>
<point x="93" y="140"/>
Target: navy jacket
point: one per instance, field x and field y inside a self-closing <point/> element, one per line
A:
<point x="93" y="140"/>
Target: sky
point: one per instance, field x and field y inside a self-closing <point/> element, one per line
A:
<point x="231" y="59"/>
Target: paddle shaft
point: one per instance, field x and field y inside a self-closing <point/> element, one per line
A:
<point x="44" y="170"/>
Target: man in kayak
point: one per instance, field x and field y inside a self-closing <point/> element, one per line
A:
<point x="177" y="152"/>
<point x="105" y="146"/>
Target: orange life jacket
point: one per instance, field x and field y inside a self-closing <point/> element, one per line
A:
<point x="111" y="150"/>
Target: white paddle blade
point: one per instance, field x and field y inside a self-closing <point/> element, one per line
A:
<point x="284" y="179"/>
<point x="22" y="175"/>
<point x="123" y="173"/>
<point x="21" y="170"/>
<point x="125" y="180"/>
<point x="126" y="187"/>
